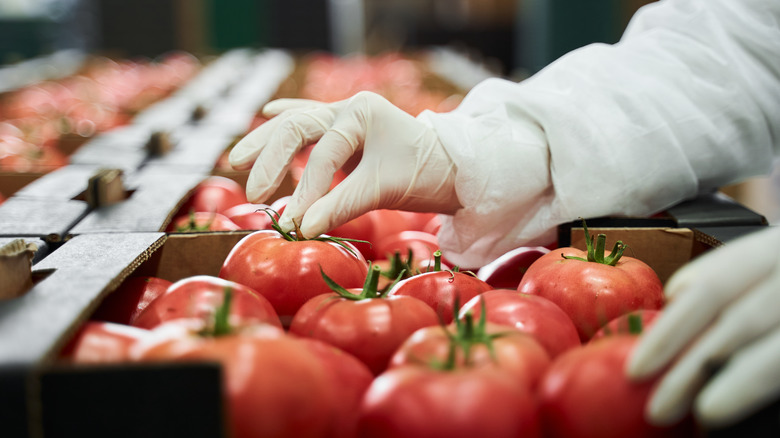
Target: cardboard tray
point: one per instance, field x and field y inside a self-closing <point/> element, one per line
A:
<point x="670" y="239"/>
<point x="42" y="398"/>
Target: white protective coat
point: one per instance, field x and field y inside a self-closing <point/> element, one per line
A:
<point x="687" y="101"/>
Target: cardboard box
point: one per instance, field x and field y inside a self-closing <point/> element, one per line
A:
<point x="672" y="238"/>
<point x="47" y="399"/>
<point x="43" y="398"/>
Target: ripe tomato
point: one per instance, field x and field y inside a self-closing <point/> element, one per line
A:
<point x="489" y="346"/>
<point x="359" y="228"/>
<point x="415" y="402"/>
<point x="287" y="272"/>
<point x="249" y="216"/>
<point x="124" y="304"/>
<point x="361" y="322"/>
<point x="629" y="323"/>
<point x="274" y="385"/>
<point x="441" y="290"/>
<point x="585" y="393"/>
<point x="350" y="376"/>
<point x="422" y="245"/>
<point x="201" y="221"/>
<point x="593" y="288"/>
<point x="102" y="342"/>
<point x="532" y="314"/>
<point x="200" y="296"/>
<point x="215" y="195"/>
<point x="506" y="271"/>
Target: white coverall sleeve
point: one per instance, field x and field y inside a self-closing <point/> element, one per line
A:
<point x="687" y="101"/>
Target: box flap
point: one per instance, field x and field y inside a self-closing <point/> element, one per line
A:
<point x="47" y="219"/>
<point x="157" y="195"/>
<point x="65" y="183"/>
<point x="81" y="272"/>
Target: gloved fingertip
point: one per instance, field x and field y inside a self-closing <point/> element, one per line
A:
<point x="662" y="412"/>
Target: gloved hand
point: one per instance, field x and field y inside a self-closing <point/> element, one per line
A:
<point x="724" y="309"/>
<point x="403" y="164"/>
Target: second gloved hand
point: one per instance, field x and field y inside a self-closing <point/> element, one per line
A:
<point x="724" y="312"/>
<point x="403" y="163"/>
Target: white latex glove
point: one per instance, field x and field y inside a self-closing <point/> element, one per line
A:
<point x="403" y="164"/>
<point x="724" y="309"/>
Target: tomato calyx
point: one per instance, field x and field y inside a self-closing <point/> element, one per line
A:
<point x="297" y="236"/>
<point x="467" y="335"/>
<point x="220" y="325"/>
<point x="192" y="226"/>
<point x="370" y="286"/>
<point x="596" y="252"/>
<point x="635" y="326"/>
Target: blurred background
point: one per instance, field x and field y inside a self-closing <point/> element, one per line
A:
<point x="510" y="35"/>
<point x="509" y="38"/>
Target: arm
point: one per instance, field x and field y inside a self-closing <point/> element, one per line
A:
<point x="686" y="102"/>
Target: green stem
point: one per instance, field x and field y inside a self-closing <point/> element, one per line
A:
<point x="635" y="324"/>
<point x="370" y="286"/>
<point x="595" y="253"/>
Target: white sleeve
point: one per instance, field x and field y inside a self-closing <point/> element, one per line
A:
<point x="687" y="101"/>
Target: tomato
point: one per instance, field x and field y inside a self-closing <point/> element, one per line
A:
<point x="215" y="195"/>
<point x="361" y="322"/>
<point x="359" y="228"/>
<point x="417" y="402"/>
<point x="441" y="290"/>
<point x="628" y="323"/>
<point x="102" y="342"/>
<point x="201" y="221"/>
<point x="125" y="303"/>
<point x="585" y="393"/>
<point x="490" y="346"/>
<point x="287" y="272"/>
<point x="506" y="271"/>
<point x="350" y="376"/>
<point x="200" y="296"/>
<point x="422" y="244"/>
<point x="274" y="385"/>
<point x="249" y="216"/>
<point x="532" y="314"/>
<point x="595" y="291"/>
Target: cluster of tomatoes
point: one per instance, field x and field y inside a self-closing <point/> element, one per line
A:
<point x="374" y="334"/>
<point x="105" y="94"/>
<point x="398" y="78"/>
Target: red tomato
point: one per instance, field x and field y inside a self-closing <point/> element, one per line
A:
<point x="249" y="216"/>
<point x="360" y="228"/>
<point x="274" y="385"/>
<point x="102" y="342"/>
<point x="506" y="271"/>
<point x="201" y="221"/>
<point x="350" y="376"/>
<point x="440" y="290"/>
<point x="585" y="393"/>
<point x="532" y="314"/>
<point x="422" y="244"/>
<point x="418" y="402"/>
<point x="513" y="352"/>
<point x="124" y="304"/>
<point x="387" y="222"/>
<point x="215" y="195"/>
<point x="362" y="323"/>
<point x="593" y="292"/>
<point x="623" y="324"/>
<point x="200" y="296"/>
<point x="287" y="273"/>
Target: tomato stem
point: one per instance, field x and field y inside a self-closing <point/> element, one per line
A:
<point x="635" y="324"/>
<point x="370" y="286"/>
<point x="297" y="236"/>
<point x="595" y="253"/>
